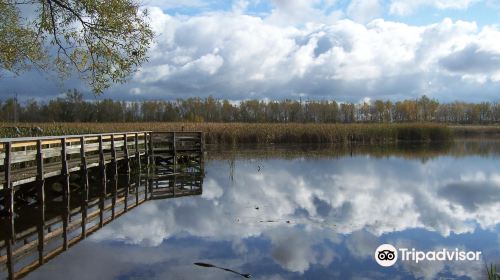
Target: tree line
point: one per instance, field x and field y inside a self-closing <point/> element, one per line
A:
<point x="74" y="108"/>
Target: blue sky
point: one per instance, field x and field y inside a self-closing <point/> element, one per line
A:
<point x="482" y="12"/>
<point x="348" y="50"/>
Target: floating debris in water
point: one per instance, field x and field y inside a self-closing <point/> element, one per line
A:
<point x="268" y="221"/>
<point x="244" y="275"/>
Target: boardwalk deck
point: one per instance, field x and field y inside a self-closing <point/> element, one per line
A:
<point x="67" y="187"/>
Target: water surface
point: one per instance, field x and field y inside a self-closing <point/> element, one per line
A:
<point x="302" y="212"/>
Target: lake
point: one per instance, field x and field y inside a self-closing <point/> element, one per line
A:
<point x="308" y="212"/>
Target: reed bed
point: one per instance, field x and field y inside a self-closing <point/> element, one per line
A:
<point x="237" y="133"/>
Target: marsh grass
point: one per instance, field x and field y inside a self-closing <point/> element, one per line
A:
<point x="492" y="272"/>
<point x="238" y="133"/>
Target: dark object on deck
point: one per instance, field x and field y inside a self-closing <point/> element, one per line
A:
<point x="183" y="159"/>
<point x="244" y="275"/>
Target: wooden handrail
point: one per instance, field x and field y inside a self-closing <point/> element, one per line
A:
<point x="47" y="140"/>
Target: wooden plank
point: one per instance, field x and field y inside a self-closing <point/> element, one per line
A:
<point x="138" y="168"/>
<point x="9" y="206"/>
<point x="28" y="155"/>
<point x="9" y="190"/>
<point x="151" y="148"/>
<point x="85" y="186"/>
<point x="127" y="171"/>
<point x="25" y="142"/>
<point x="29" y="174"/>
<point x="23" y="251"/>
<point x="41" y="201"/>
<point x="102" y="169"/>
<point x="146" y="150"/>
<point x="114" y="166"/>
<point x="73" y="138"/>
<point x="66" y="192"/>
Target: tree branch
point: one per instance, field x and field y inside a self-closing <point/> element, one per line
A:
<point x="56" y="39"/>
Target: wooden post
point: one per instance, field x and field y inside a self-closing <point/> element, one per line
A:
<point x="202" y="139"/>
<point x="202" y="151"/>
<point x="174" y="184"/>
<point x="9" y="206"/>
<point x="149" y="180"/>
<point x="41" y="200"/>
<point x="137" y="152"/>
<point x="102" y="168"/>
<point x="174" y="140"/>
<point x="151" y="149"/>
<point x="66" y="192"/>
<point x="85" y="186"/>
<point x="127" y="170"/>
<point x="138" y="168"/>
<point x="114" y="165"/>
<point x="146" y="150"/>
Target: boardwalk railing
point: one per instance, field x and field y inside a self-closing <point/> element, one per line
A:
<point x="84" y="179"/>
<point x="20" y="157"/>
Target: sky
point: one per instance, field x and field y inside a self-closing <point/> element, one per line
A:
<point x="347" y="50"/>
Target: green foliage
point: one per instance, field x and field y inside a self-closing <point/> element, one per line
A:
<point x="19" y="43"/>
<point x="104" y="41"/>
<point x="74" y="108"/>
<point x="492" y="272"/>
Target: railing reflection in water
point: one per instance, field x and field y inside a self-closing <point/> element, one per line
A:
<point x="61" y="222"/>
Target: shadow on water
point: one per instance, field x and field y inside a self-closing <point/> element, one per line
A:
<point x="408" y="150"/>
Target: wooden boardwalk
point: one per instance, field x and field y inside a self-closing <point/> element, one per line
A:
<point x="67" y="187"/>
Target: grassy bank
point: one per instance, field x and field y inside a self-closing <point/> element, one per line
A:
<point x="231" y="133"/>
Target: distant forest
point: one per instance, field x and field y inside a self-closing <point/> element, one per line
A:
<point x="74" y="108"/>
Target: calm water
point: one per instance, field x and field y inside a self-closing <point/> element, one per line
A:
<point x="301" y="212"/>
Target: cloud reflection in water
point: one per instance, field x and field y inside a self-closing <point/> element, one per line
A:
<point x="303" y="218"/>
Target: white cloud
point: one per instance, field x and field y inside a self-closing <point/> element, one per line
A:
<point x="233" y="55"/>
<point x="302" y="11"/>
<point x="170" y="4"/>
<point x="364" y="10"/>
<point x="407" y="7"/>
<point x="363" y="198"/>
<point x="305" y="48"/>
<point x="337" y="212"/>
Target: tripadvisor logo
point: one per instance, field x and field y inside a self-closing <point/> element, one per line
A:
<point x="386" y="255"/>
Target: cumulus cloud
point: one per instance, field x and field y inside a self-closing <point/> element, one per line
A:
<point x="298" y="12"/>
<point x="172" y="4"/>
<point x="237" y="56"/>
<point x="308" y="49"/>
<point x="351" y="201"/>
<point x="364" y="10"/>
<point x="407" y="7"/>
<point x="472" y="61"/>
<point x="294" y="251"/>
